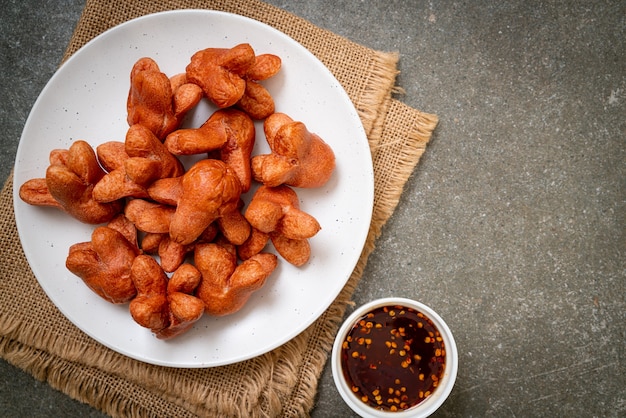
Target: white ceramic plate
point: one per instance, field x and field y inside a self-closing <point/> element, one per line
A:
<point x="86" y="99"/>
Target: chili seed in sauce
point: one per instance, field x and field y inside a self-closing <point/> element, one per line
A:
<point x="393" y="358"/>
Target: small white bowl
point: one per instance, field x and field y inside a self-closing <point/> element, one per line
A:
<point x="425" y="407"/>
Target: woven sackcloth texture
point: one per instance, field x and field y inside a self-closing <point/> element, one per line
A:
<point x="36" y="337"/>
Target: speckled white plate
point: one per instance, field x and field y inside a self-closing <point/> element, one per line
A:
<point x="86" y="99"/>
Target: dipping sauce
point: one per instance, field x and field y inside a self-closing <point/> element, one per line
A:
<point x="393" y="358"/>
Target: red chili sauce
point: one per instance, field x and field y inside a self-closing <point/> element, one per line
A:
<point x="393" y="358"/>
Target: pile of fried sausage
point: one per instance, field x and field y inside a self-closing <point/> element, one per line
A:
<point x="144" y="203"/>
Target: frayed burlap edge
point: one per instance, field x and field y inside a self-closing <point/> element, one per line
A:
<point x="87" y="383"/>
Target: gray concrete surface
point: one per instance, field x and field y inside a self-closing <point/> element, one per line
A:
<point x="512" y="227"/>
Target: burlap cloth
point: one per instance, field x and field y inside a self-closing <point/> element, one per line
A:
<point x="36" y="337"/>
